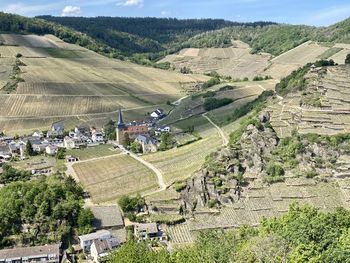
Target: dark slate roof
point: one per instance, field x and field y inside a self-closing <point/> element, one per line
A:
<point x="29" y="251"/>
<point x="58" y="126"/>
<point x="5" y="148"/>
<point x="106" y="217"/>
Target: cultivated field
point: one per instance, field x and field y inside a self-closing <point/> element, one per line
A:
<point x="106" y="179"/>
<point x="69" y="82"/>
<point x="93" y="152"/>
<point x="181" y="163"/>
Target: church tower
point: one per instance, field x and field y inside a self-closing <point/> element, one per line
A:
<point x="120" y="129"/>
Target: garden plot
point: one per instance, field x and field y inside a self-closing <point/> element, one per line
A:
<point x="107" y="179"/>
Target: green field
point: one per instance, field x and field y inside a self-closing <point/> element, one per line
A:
<point x="93" y="152"/>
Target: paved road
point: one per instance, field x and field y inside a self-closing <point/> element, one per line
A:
<point x="221" y="132"/>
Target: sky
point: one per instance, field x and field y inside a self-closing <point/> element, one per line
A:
<point x="309" y="12"/>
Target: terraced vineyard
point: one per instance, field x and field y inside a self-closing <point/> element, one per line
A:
<point x="234" y="61"/>
<point x="63" y="81"/>
<point x="331" y="115"/>
<point x="108" y="178"/>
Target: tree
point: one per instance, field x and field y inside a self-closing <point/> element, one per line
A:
<point x="347" y="59"/>
<point x="131" y="204"/>
<point x="29" y="149"/>
<point x="136" y="147"/>
<point x="166" y="141"/>
<point x="126" y="142"/>
<point x="61" y="153"/>
<point x="85" y="219"/>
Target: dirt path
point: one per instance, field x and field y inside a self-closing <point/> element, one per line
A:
<point x="221" y="132"/>
<point x="158" y="173"/>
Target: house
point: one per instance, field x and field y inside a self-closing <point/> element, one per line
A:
<point x="5" y="149"/>
<point x="38" y="134"/>
<point x="69" y="143"/>
<point x="87" y="240"/>
<point x="101" y="248"/>
<point x="51" y="149"/>
<point x="107" y="217"/>
<point x="57" y="127"/>
<point x="157" y="114"/>
<point x="148" y="144"/>
<point x="150" y="231"/>
<point x="71" y="159"/>
<point x="97" y="137"/>
<point x="162" y="129"/>
<point x="47" y="253"/>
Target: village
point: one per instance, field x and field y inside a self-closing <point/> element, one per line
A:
<point x="144" y="135"/>
<point x="109" y="228"/>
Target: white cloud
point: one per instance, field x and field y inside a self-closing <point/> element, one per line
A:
<point x="71" y="10"/>
<point x="165" y="13"/>
<point x="24" y="9"/>
<point x="138" y="3"/>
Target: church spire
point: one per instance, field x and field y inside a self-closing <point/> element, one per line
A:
<point x="120" y="123"/>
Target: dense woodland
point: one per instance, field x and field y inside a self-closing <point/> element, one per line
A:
<point x="170" y="35"/>
<point x="41" y="211"/>
<point x="304" y="234"/>
<point x="146" y="40"/>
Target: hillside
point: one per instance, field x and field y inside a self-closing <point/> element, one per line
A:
<point x="46" y="80"/>
<point x="149" y="35"/>
<point x="272" y="159"/>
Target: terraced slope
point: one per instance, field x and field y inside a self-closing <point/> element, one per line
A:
<point x="323" y="108"/>
<point x="64" y="81"/>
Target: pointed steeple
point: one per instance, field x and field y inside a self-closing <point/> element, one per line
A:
<point x="120" y="123"/>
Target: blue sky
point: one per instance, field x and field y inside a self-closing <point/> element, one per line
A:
<point x="310" y="12"/>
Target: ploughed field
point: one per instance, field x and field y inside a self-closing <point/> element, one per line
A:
<point x="64" y="81"/>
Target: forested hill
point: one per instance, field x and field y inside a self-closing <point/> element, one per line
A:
<point x="140" y="35"/>
<point x="10" y="23"/>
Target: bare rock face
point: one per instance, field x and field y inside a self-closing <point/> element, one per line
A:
<point x="222" y="177"/>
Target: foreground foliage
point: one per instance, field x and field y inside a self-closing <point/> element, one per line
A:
<point x="41" y="211"/>
<point x="304" y="234"/>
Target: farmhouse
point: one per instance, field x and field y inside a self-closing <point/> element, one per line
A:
<point x="107" y="217"/>
<point x="148" y="144"/>
<point x="48" y="253"/>
<point x="150" y="231"/>
<point x="162" y="129"/>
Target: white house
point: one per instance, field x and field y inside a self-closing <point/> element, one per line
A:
<point x="87" y="240"/>
<point x="102" y="247"/>
<point x="51" y="149"/>
<point x="69" y="143"/>
<point x="157" y="114"/>
<point x="162" y="129"/>
<point x="149" y="231"/>
<point x="97" y="137"/>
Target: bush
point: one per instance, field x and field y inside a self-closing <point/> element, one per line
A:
<point x="211" y="82"/>
<point x="274" y="170"/>
<point x="347" y="59"/>
<point x="179" y="186"/>
<point x="131" y="204"/>
<point x="214" y="103"/>
<point x="209" y="94"/>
